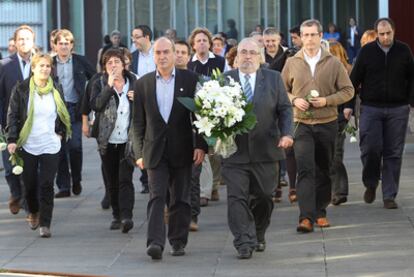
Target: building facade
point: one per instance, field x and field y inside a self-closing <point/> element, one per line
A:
<point x="91" y="20"/>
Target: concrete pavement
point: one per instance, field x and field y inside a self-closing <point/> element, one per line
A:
<point x="364" y="240"/>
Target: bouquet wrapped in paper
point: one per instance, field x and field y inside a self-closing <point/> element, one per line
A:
<point x="221" y="112"/>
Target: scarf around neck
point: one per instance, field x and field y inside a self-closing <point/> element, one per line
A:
<point x="60" y="107"/>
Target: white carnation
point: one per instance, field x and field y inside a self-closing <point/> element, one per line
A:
<point x="3" y="146"/>
<point x="314" y="93"/>
<point x="17" y="170"/>
<point x="353" y="139"/>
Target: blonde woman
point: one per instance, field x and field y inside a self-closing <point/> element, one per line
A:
<point x="37" y="120"/>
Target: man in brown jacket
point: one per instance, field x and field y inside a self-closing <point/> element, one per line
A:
<point x="316" y="83"/>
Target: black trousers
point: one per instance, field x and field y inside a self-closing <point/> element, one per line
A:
<point x="339" y="175"/>
<point x="314" y="151"/>
<point x="38" y="175"/>
<point x="195" y="191"/>
<point x="118" y="172"/>
<point x="176" y="180"/>
<point x="249" y="200"/>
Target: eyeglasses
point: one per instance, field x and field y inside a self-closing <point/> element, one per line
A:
<point x="244" y="52"/>
<point x="136" y="37"/>
<point x="311" y="35"/>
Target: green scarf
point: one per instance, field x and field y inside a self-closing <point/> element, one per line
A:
<point x="60" y="107"/>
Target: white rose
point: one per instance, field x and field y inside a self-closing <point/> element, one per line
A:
<point x="3" y="146"/>
<point x="353" y="139"/>
<point x="314" y="93"/>
<point x="17" y="170"/>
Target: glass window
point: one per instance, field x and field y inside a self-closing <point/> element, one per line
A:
<point x="323" y="12"/>
<point x="368" y="13"/>
<point x="273" y="10"/>
<point x="300" y="11"/>
<point x="141" y="12"/>
<point x="231" y="18"/>
<point x="211" y="16"/>
<point x="161" y="17"/>
<point x="251" y="16"/>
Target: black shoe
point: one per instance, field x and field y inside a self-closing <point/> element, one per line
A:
<point x="177" y="250"/>
<point x="390" y="204"/>
<point x="261" y="246"/>
<point x="369" y="195"/>
<point x="145" y="189"/>
<point x="126" y="225"/>
<point x="105" y="203"/>
<point x="338" y="200"/>
<point x="244" y="253"/>
<point x="154" y="251"/>
<point x="62" y="194"/>
<point x="115" y="224"/>
<point x="77" y="188"/>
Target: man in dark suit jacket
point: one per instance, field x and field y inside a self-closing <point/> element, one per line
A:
<point x="73" y="71"/>
<point x="353" y="44"/>
<point x="14" y="69"/>
<point x="163" y="144"/>
<point x="251" y="173"/>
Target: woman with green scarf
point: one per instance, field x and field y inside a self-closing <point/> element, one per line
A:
<point x="37" y="121"/>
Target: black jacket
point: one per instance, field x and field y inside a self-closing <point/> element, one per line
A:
<point x="386" y="80"/>
<point x="152" y="136"/>
<point x="17" y="112"/>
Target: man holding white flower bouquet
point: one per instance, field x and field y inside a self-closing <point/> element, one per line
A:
<point x="316" y="83"/>
<point x="251" y="173"/>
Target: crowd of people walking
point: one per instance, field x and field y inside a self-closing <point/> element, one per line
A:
<point x="304" y="97"/>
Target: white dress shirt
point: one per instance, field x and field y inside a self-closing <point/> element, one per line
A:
<point x="145" y="63"/>
<point x="43" y="138"/>
<point x="120" y="133"/>
<point x="312" y="61"/>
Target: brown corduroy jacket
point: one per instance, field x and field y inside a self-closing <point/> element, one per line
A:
<point x="330" y="80"/>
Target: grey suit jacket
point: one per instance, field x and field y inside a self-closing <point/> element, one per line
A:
<point x="274" y="120"/>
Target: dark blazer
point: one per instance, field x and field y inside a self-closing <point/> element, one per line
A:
<point x="357" y="38"/>
<point x="10" y="74"/>
<point x="152" y="136"/>
<point x="82" y="72"/>
<point x="135" y="60"/>
<point x="274" y="119"/>
<point x="17" y="111"/>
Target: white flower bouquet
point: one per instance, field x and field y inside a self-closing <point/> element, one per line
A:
<point x="222" y="112"/>
<point x="351" y="130"/>
<point x="15" y="159"/>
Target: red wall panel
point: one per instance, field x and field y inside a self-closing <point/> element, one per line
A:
<point x="402" y="11"/>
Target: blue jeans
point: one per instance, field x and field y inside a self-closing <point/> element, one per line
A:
<point x="70" y="155"/>
<point x="13" y="181"/>
<point x="382" y="138"/>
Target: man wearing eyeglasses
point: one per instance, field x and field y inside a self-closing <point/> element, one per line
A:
<point x="142" y="63"/>
<point x="314" y="70"/>
<point x="251" y="174"/>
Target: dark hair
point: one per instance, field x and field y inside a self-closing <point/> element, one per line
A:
<point x="183" y="42"/>
<point x="382" y="19"/>
<point x="295" y="30"/>
<point x="223" y="35"/>
<point x="106" y="39"/>
<point x="146" y="31"/>
<point x="231" y="23"/>
<point x="113" y="52"/>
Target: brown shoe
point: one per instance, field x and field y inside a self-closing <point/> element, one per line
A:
<point x="193" y="226"/>
<point x="323" y="222"/>
<point x="277" y="195"/>
<point x="203" y="202"/>
<point x="390" y="204"/>
<point x="292" y="196"/>
<point x="215" y="195"/>
<point x="305" y="226"/>
<point x="33" y="220"/>
<point x="14" y="205"/>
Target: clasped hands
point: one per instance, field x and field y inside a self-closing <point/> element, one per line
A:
<point x="303" y="105"/>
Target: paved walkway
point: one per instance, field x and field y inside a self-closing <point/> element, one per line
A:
<point x="365" y="240"/>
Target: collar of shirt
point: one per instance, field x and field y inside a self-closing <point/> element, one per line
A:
<point x="21" y="59"/>
<point x="150" y="53"/>
<point x="159" y="77"/>
<point x="124" y="89"/>
<point x="385" y="49"/>
<point x="314" y="59"/>
<point x="252" y="79"/>
<point x="69" y="60"/>
<point x="210" y="56"/>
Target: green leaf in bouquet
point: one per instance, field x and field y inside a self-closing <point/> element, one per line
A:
<point x="211" y="141"/>
<point x="188" y="102"/>
<point x="249" y="121"/>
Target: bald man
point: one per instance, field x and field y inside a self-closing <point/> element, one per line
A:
<point x="163" y="144"/>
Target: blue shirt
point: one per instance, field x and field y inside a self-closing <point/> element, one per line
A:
<point x="165" y="94"/>
<point x="65" y="74"/>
